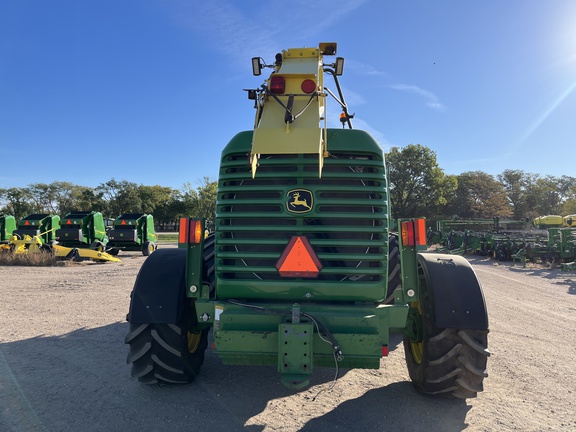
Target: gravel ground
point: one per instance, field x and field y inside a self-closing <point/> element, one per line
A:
<point x="63" y="368"/>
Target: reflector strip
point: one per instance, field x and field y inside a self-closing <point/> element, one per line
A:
<point x="182" y="231"/>
<point x="420" y="232"/>
<point x="299" y="259"/>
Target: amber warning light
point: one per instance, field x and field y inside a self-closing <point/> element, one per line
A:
<point x="190" y="232"/>
<point x="414" y="232"/>
<point x="299" y="259"/>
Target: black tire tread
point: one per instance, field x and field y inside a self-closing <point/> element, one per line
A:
<point x="453" y="367"/>
<point x="159" y="354"/>
<point x="454" y="360"/>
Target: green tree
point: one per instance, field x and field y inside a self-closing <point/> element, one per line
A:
<point x="479" y="195"/>
<point x="17" y="202"/>
<point x="544" y="196"/>
<point x="515" y="183"/>
<point x="201" y="202"/>
<point x="57" y="197"/>
<point x="567" y="190"/>
<point x="154" y="198"/>
<point x="172" y="211"/>
<point x="88" y="199"/>
<point x="121" y="197"/>
<point x="569" y="205"/>
<point x="418" y="186"/>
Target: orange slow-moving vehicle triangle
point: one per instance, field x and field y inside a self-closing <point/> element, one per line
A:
<point x="299" y="259"/>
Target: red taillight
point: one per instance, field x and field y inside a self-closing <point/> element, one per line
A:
<point x="308" y="86"/>
<point x="190" y="231"/>
<point x="414" y="233"/>
<point x="277" y="84"/>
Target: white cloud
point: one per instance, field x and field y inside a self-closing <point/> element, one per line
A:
<point x="243" y="30"/>
<point x="360" y="68"/>
<point x="431" y="99"/>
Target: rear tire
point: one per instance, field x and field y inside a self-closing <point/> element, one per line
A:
<point x="167" y="350"/>
<point x="148" y="248"/>
<point x="165" y="353"/>
<point x="446" y="362"/>
<point x="97" y="245"/>
<point x="113" y="251"/>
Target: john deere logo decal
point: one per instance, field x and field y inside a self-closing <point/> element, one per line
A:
<point x="299" y="201"/>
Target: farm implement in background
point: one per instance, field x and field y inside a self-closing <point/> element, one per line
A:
<point x="83" y="229"/>
<point x="38" y="233"/>
<point x="132" y="232"/>
<point x="7" y="227"/>
<point x="34" y="245"/>
<point x="553" y="245"/>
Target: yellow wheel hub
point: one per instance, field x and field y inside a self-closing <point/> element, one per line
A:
<point x="193" y="341"/>
<point x="417" y="348"/>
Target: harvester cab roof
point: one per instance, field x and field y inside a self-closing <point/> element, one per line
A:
<point x="291" y="104"/>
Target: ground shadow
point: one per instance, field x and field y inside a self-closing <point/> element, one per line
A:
<point x="569" y="283"/>
<point x="80" y="381"/>
<point x="394" y="407"/>
<point x="553" y="273"/>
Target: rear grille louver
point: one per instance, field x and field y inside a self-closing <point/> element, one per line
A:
<point x="347" y="226"/>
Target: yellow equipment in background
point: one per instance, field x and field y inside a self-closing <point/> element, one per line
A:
<point x="30" y="245"/>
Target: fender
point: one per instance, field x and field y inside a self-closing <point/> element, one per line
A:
<point x="159" y="288"/>
<point x="456" y="297"/>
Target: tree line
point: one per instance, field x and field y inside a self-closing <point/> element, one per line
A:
<point x="418" y="187"/>
<point x="112" y="199"/>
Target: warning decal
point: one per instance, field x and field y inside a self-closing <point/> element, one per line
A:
<point x="299" y="259"/>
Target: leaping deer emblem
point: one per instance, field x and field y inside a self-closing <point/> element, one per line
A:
<point x="297" y="201"/>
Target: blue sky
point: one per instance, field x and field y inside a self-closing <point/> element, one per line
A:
<point x="150" y="91"/>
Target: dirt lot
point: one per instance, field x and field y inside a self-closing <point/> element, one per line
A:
<point x="62" y="366"/>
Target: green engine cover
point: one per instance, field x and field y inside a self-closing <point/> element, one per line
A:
<point x="343" y="216"/>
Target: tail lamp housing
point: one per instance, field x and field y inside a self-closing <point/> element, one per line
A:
<point x="413" y="232"/>
<point x="308" y="86"/>
<point x="191" y="231"/>
<point x="277" y="84"/>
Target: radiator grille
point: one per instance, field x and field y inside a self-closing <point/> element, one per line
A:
<point x="347" y="225"/>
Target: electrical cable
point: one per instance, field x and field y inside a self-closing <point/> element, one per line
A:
<point x="320" y="328"/>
